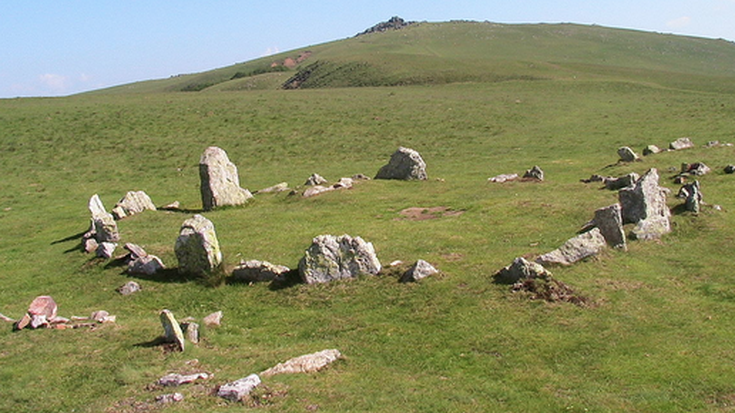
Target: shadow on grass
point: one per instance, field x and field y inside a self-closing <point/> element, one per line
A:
<point x="288" y="280"/>
<point x="170" y="275"/>
<point x="69" y="238"/>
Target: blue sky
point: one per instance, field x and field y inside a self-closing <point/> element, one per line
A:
<point x="62" y="47"/>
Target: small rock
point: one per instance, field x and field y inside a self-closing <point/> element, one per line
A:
<point x="170" y="398"/>
<point x="236" y="390"/>
<point x="627" y="155"/>
<point x="503" y="178"/>
<point x="315" y="179"/>
<point x="304" y="364"/>
<point x="130" y="287"/>
<point x="173" y="206"/>
<point x="257" y="271"/>
<point x="534" y="173"/>
<point x="343" y="183"/>
<point x="729" y="169"/>
<point x="651" y="150"/>
<point x="214" y="319"/>
<point x="681" y="143"/>
<point x="316" y="190"/>
<point x="624" y="181"/>
<point x="360" y="177"/>
<point x="102" y="316"/>
<point x="421" y="269"/>
<point x="712" y="144"/>
<point x="283" y="186"/>
<point x="520" y="269"/>
<point x="175" y="380"/>
<point x="135" y="251"/>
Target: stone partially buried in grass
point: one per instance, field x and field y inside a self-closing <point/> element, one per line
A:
<point x="420" y="270"/>
<point x="258" y="271"/>
<point x="236" y="390"/>
<point x="332" y="258"/>
<point x="309" y="363"/>
<point x="134" y="202"/>
<point x="575" y="249"/>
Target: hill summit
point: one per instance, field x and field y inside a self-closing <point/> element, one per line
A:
<point x="395" y="23"/>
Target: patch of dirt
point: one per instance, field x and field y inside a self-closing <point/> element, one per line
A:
<point x="551" y="290"/>
<point x="422" y="214"/>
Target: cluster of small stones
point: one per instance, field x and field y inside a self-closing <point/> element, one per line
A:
<point x="43" y="313"/>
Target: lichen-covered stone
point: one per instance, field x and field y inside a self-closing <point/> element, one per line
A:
<point x="172" y="332"/>
<point x="645" y="205"/>
<point x="220" y="184"/>
<point x="405" y="164"/>
<point x="332" y="258"/>
<point x="610" y="222"/>
<point x="521" y="269"/>
<point x="197" y="248"/>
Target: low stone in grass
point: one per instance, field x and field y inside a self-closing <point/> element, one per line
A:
<point x="169" y="398"/>
<point x="175" y="379"/>
<point x="106" y="249"/>
<point x="191" y="331"/>
<point x="681" y="143"/>
<point x="130" y="287"/>
<point x="134" y="202"/>
<point x="651" y="150"/>
<point x="257" y="271"/>
<point x="503" y="178"/>
<point x="421" y="269"/>
<point x="148" y="265"/>
<point x="405" y="164"/>
<point x="332" y="258"/>
<point x="692" y="195"/>
<point x="627" y="155"/>
<point x="237" y="390"/>
<point x="197" y="248"/>
<point x="41" y="313"/>
<point x="696" y="168"/>
<point x="309" y="363"/>
<point x="220" y="183"/>
<point x="283" y="186"/>
<point x="214" y="319"/>
<point x="575" y="249"/>
<point x="172" y="332"/>
<point x="520" y="269"/>
<point x="315" y="179"/>
<point x="730" y="169"/>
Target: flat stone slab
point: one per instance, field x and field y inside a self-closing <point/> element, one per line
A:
<point x="304" y="364"/>
<point x="575" y="249"/>
<point x="237" y="390"/>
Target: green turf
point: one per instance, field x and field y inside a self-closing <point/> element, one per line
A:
<point x="658" y="336"/>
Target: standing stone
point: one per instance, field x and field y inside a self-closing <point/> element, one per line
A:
<point x="133" y="203"/>
<point x="332" y="258"/>
<point x="521" y="269"/>
<point x="576" y="249"/>
<point x="220" y="184"/>
<point x="610" y="222"/>
<point x="645" y="205"/>
<point x="197" y="248"/>
<point x="106" y="249"/>
<point x="405" y="164"/>
<point x="681" y="143"/>
<point x="534" y="173"/>
<point x="191" y="331"/>
<point x="627" y="155"/>
<point x="421" y="269"/>
<point x="692" y="195"/>
<point x="257" y="271"/>
<point x="172" y="330"/>
<point x="103" y="224"/>
<point x="236" y="390"/>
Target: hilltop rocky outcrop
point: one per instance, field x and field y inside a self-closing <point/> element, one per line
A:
<point x="395" y="23"/>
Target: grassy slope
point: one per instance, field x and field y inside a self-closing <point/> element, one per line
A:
<point x="659" y="340"/>
<point x="436" y="53"/>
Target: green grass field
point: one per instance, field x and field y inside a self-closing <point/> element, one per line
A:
<point x="658" y="336"/>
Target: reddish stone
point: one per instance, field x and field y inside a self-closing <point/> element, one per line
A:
<point x="43" y="305"/>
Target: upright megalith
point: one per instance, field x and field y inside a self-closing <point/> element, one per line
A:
<point x="626" y="154"/>
<point x="610" y="222"/>
<point x="197" y="248"/>
<point x="220" y="184"/>
<point x="104" y="226"/>
<point x="172" y="332"/>
<point x="644" y="204"/>
<point x="405" y="164"/>
<point x="332" y="258"/>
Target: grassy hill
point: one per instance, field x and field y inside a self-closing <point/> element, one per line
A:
<point x="439" y="53"/>
<point x="657" y="337"/>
